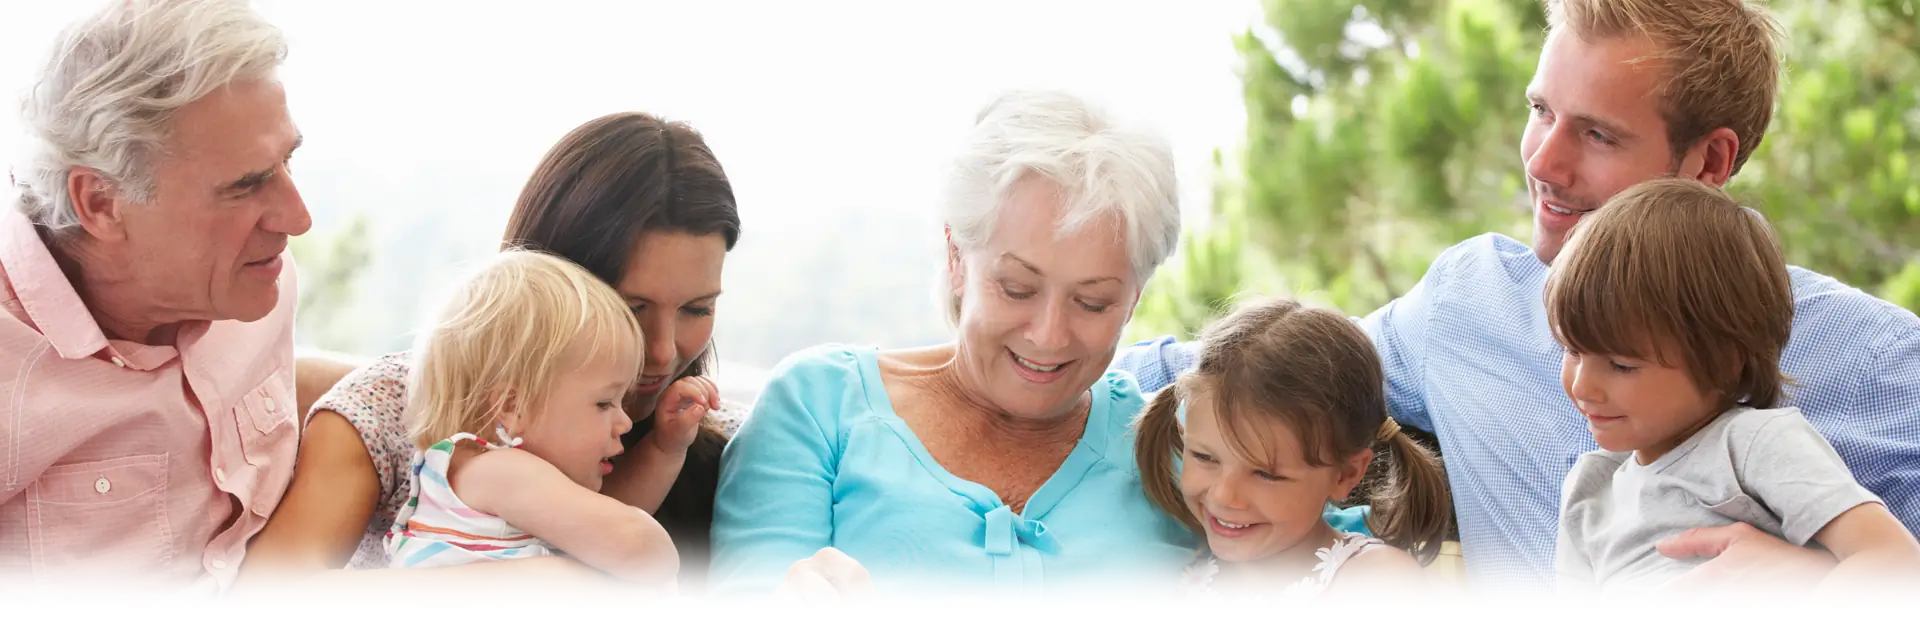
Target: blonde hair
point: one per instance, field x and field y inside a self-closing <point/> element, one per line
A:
<point x="505" y="332"/>
<point x="1675" y="266"/>
<point x="1721" y="58"/>
<point x="1275" y="361"/>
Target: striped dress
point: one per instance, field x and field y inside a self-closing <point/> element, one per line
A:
<point x="434" y="529"/>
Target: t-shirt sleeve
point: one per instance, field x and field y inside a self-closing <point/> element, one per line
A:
<point x="1572" y="566"/>
<point x="1788" y="467"/>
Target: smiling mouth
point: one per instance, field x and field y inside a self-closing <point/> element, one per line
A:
<point x="1037" y="367"/>
<point x="1565" y="211"/>
<point x="1229" y="529"/>
<point x="648" y="385"/>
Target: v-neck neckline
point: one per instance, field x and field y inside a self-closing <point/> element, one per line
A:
<point x="981" y="498"/>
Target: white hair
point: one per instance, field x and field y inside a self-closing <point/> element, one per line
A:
<point x="1103" y="167"/>
<point x="115" y="80"/>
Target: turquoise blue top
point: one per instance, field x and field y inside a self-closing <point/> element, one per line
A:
<point x="824" y="461"/>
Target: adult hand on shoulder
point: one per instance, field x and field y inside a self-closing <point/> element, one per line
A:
<point x="827" y="575"/>
<point x="1744" y="558"/>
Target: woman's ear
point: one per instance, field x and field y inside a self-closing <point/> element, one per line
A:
<point x="1351" y="472"/>
<point x="956" y="270"/>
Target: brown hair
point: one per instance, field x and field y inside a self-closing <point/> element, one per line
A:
<point x="1313" y="370"/>
<point x="593" y="195"/>
<point x="1675" y="266"/>
<point x="1721" y="58"/>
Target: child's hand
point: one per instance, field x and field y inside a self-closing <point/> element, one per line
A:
<point x="676" y="419"/>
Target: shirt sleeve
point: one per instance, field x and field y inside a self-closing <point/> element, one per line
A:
<point x="730" y="416"/>
<point x="774" y="504"/>
<point x="27" y="447"/>
<point x="1883" y="424"/>
<point x="1572" y="567"/>
<point x="1155" y="363"/>
<point x="1790" y="469"/>
<point x="1352" y="519"/>
<point x="1399" y="334"/>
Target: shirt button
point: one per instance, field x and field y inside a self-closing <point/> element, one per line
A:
<point x="219" y="476"/>
<point x="101" y="485"/>
<point x="271" y="406"/>
<point x="119" y="363"/>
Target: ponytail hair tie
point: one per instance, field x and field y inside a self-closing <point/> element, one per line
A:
<point x="1388" y="430"/>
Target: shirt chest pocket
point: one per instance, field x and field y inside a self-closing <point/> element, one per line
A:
<point x="107" y="516"/>
<point x="268" y="430"/>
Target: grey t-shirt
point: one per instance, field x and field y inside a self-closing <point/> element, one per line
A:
<point x="1765" y="467"/>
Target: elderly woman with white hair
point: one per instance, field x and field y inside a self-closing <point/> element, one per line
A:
<point x="1003" y="458"/>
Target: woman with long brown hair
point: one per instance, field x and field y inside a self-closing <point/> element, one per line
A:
<point x="642" y="204"/>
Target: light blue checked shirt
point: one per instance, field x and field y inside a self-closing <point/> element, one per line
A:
<point x="1469" y="357"/>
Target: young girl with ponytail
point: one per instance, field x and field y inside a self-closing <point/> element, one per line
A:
<point x="1283" y="413"/>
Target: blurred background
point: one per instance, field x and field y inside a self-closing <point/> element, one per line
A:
<point x="1329" y="148"/>
<point x="1379" y="133"/>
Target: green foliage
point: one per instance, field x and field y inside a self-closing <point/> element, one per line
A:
<point x="330" y="265"/>
<point x="1379" y="133"/>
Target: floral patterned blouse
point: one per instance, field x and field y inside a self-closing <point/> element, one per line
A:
<point x="373" y="398"/>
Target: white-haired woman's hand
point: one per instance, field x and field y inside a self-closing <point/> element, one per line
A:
<point x="827" y="575"/>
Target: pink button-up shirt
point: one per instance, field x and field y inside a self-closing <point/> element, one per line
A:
<point x="129" y="463"/>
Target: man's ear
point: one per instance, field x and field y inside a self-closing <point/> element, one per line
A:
<point x="1710" y="160"/>
<point x="97" y="204"/>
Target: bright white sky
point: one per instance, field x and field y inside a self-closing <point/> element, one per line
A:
<point x="436" y="111"/>
<point x="808" y="102"/>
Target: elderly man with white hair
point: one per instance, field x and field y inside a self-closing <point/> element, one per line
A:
<point x="1003" y="459"/>
<point x="146" y="303"/>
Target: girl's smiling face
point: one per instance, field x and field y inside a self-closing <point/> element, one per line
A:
<point x="1253" y="507"/>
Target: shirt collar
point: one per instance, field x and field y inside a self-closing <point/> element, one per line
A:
<point x="46" y="295"/>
